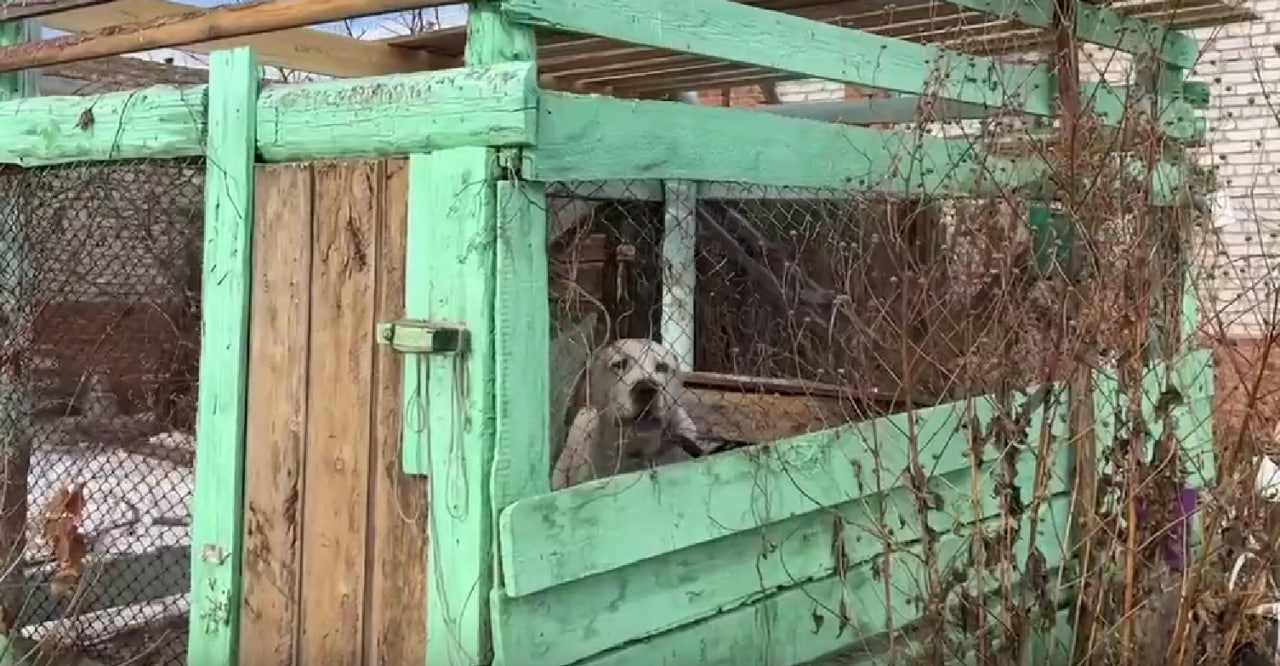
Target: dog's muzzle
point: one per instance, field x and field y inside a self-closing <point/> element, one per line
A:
<point x="644" y="398"/>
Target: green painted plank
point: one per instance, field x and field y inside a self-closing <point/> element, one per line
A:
<point x="449" y="411"/>
<point x="804" y="622"/>
<point x="586" y="137"/>
<point x="570" y="622"/>
<point x="1046" y="646"/>
<point x="217" y="525"/>
<point x="714" y="28"/>
<point x="1191" y="376"/>
<point x="522" y="340"/>
<point x="610" y="523"/>
<point x="1100" y="25"/>
<point x="163" y="121"/>
<point x="895" y="109"/>
<point x="398" y="114"/>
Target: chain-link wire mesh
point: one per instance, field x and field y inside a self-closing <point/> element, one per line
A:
<point x="810" y="309"/>
<point x="99" y="303"/>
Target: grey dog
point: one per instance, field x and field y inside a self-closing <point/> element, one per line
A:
<point x="632" y="418"/>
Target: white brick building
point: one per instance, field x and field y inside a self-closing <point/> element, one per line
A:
<point x="1242" y="64"/>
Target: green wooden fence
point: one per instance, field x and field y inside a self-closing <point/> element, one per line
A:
<point x="760" y="556"/>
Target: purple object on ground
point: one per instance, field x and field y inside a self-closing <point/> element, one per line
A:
<point x="1176" y="548"/>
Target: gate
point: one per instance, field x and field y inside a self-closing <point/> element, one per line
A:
<point x="334" y="550"/>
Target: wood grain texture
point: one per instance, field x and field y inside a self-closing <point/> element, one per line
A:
<point x="714" y="28"/>
<point x="568" y="622"/>
<point x="162" y="121"/>
<point x="582" y="137"/>
<point x="339" y="438"/>
<point x="303" y="49"/>
<point x="592" y="528"/>
<point x="217" y="507"/>
<point x="193" y="26"/>
<point x="397" y="578"/>
<point x="449" y="400"/>
<point x="852" y="606"/>
<point x="399" y="114"/>
<point x="277" y="413"/>
<point x="522" y="454"/>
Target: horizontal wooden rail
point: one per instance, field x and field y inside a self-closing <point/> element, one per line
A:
<point x="584" y="138"/>
<point x="714" y="29"/>
<point x="196" y="26"/>
<point x="382" y="116"/>
<point x="1099" y="25"/>
<point x="399" y="114"/>
<point x="720" y="495"/>
<point x="163" y="121"/>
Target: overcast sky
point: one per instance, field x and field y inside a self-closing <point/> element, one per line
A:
<point x="374" y="27"/>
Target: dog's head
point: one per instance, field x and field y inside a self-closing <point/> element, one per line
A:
<point x="636" y="381"/>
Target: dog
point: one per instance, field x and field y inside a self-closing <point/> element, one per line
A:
<point x="632" y="419"/>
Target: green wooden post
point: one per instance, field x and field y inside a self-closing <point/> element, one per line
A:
<point x="15" y="400"/>
<point x="220" y="419"/>
<point x="476" y="258"/>
<point x="449" y="278"/>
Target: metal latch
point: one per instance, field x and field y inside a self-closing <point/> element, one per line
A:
<point x="417" y="336"/>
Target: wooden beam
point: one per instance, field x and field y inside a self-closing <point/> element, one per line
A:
<point x="222" y="22"/>
<point x="1100" y="25"/>
<point x="399" y="114"/>
<point x="788" y="478"/>
<point x="303" y="49"/>
<point x="27" y="9"/>
<point x="900" y="109"/>
<point x="217" y="528"/>
<point x="163" y="121"/>
<point x="600" y="138"/>
<point x="713" y="29"/>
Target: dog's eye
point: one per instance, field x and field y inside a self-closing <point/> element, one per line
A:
<point x="662" y="367"/>
<point x="620" y="365"/>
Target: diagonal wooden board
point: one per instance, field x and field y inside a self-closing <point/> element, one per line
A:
<point x="305" y="49"/>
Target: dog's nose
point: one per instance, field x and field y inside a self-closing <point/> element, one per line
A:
<point x="645" y="392"/>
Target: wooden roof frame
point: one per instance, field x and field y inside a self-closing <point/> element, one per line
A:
<point x="577" y="62"/>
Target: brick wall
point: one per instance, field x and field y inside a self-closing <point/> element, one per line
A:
<point x="804" y="90"/>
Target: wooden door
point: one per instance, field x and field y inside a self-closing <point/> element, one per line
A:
<point x="335" y="552"/>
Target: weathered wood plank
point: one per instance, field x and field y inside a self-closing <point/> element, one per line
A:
<point x="1096" y="24"/>
<point x="194" y="26"/>
<point x="522" y="325"/>
<point x="449" y="401"/>
<point x="570" y="622"/>
<point x="833" y="612"/>
<point x="583" y="137"/>
<point x="217" y="508"/>
<point x="397" y="578"/>
<point x="277" y="413"/>
<point x="163" y="121"/>
<point x="590" y="529"/>
<point x="399" y="114"/>
<point x="714" y="28"/>
<point x="339" y="439"/>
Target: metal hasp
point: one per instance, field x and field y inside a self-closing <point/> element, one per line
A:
<point x="417" y="336"/>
